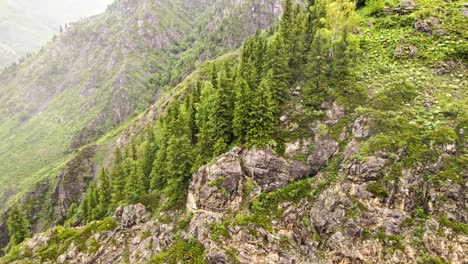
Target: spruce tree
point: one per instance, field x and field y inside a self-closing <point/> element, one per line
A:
<point x="92" y="200"/>
<point x="280" y="72"/>
<point x="242" y="109"/>
<point x="134" y="187"/>
<point x="261" y="118"/>
<point x="317" y="88"/>
<point x="287" y="25"/>
<point x="18" y="227"/>
<point x="224" y="107"/>
<point x="105" y="194"/>
<point x="118" y="179"/>
<point x="206" y="118"/>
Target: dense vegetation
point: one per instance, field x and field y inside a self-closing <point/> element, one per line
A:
<point x="237" y="103"/>
<point x="239" y="100"/>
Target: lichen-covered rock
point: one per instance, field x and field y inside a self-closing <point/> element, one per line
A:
<point x="220" y="186"/>
<point x="430" y="25"/>
<point x="406" y="6"/>
<point x="371" y="168"/>
<point x="329" y="211"/>
<point x="361" y="128"/>
<point x="324" y="150"/>
<point x="131" y="215"/>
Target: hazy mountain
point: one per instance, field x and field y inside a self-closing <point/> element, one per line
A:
<point x="26" y="25"/>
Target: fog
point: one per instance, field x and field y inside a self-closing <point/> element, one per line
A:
<point x="26" y="25"/>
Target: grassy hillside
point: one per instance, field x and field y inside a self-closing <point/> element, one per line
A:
<point x="103" y="70"/>
<point x="26" y="26"/>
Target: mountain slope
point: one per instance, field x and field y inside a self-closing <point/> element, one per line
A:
<point x="353" y="151"/>
<point x="95" y="75"/>
<point x="27" y="25"/>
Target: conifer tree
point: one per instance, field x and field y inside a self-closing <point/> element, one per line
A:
<point x="92" y="200"/>
<point x="280" y="71"/>
<point x="18" y="227"/>
<point x="242" y="109"/>
<point x="317" y="70"/>
<point x="261" y="118"/>
<point x="287" y="25"/>
<point x="118" y="179"/>
<point x="159" y="171"/>
<point x="206" y="119"/>
<point x="134" y="187"/>
<point x="105" y="194"/>
<point x="224" y="107"/>
<point x="247" y="67"/>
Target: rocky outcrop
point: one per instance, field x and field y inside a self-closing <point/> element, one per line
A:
<point x="71" y="184"/>
<point x="131" y="215"/>
<point x="430" y="25"/>
<point x="220" y="186"/>
<point x="135" y="239"/>
<point x="324" y="150"/>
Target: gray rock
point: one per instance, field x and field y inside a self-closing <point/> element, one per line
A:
<point x="219" y="186"/>
<point x="406" y="6"/>
<point x="427" y="25"/>
<point x="464" y="10"/>
<point x="325" y="149"/>
<point x="369" y="169"/>
<point x="405" y="51"/>
<point x="270" y="171"/>
<point x="329" y="211"/>
<point x="361" y="127"/>
<point x="132" y="215"/>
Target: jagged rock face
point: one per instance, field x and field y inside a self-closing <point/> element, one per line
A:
<point x="352" y="223"/>
<point x="220" y="186"/>
<point x="135" y="240"/>
<point x="131" y="215"/>
<point x="71" y="184"/>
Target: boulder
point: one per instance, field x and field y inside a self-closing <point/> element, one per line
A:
<point x="430" y="25"/>
<point x="131" y="215"/>
<point x="329" y="211"/>
<point x="405" y="51"/>
<point x="369" y="169"/>
<point x="325" y="149"/>
<point x="361" y="128"/>
<point x="219" y="186"/>
<point x="406" y="6"/>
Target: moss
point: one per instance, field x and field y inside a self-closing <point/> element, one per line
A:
<point x="455" y="226"/>
<point x="63" y="237"/>
<point x="377" y="189"/>
<point x="219" y="231"/>
<point x="249" y="186"/>
<point x="185" y="222"/>
<point x="393" y="242"/>
<point x="218" y="183"/>
<point x="430" y="259"/>
<point x="182" y="251"/>
<point x="232" y="254"/>
<point x="146" y="234"/>
<point x="93" y="246"/>
<point x="357" y="209"/>
<point x="365" y="234"/>
<point x="18" y="252"/>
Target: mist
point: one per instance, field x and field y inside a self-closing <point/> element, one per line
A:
<point x="27" y="25"/>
